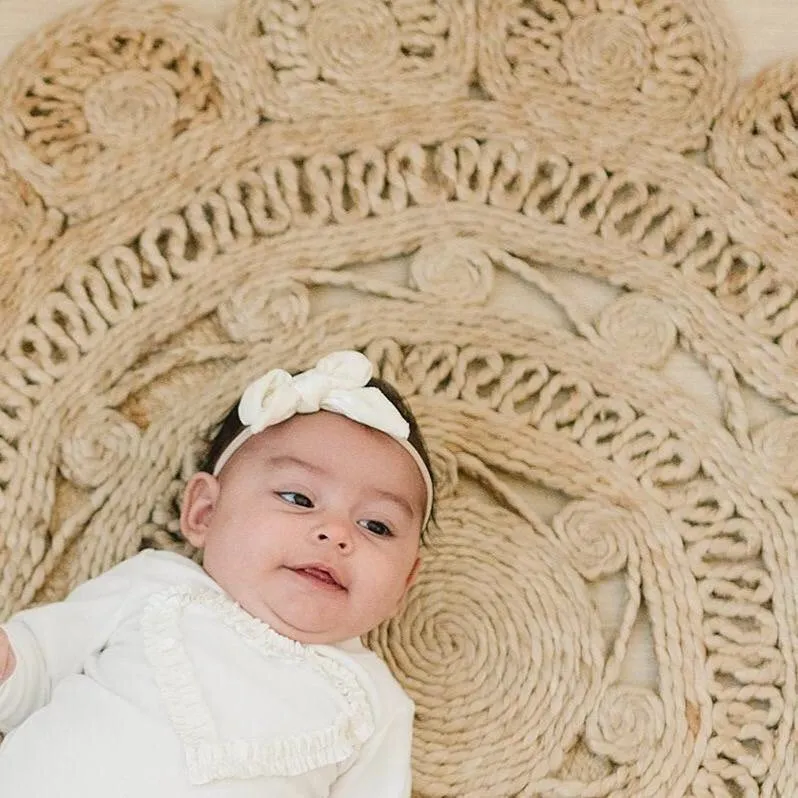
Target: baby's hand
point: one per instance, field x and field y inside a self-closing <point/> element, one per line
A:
<point x="7" y="659"/>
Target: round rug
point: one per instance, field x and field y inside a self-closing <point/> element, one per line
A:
<point x="564" y="233"/>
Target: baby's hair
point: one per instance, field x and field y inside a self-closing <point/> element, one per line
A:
<point x="232" y="425"/>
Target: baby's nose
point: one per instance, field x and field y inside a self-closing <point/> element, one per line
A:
<point x="337" y="532"/>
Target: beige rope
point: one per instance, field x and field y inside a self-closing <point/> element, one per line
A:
<point x="515" y="210"/>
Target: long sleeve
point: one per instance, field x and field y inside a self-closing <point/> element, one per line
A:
<point x="383" y="767"/>
<point x="55" y="640"/>
<point x="153" y="663"/>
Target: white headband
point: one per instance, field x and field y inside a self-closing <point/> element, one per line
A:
<point x="337" y="383"/>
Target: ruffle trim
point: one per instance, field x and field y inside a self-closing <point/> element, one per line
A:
<point x="209" y="758"/>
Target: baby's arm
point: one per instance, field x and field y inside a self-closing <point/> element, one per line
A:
<point x="40" y="646"/>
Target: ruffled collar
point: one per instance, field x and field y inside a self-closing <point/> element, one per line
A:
<point x="208" y="756"/>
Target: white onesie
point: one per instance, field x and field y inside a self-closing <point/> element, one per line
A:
<point x="150" y="681"/>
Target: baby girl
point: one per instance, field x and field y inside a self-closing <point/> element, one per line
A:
<point x="243" y="677"/>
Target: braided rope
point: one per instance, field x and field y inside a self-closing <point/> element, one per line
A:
<point x="566" y="237"/>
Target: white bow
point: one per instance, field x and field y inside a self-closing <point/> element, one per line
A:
<point x="337" y="383"/>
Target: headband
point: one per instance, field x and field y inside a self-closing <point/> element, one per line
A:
<point x="337" y="383"/>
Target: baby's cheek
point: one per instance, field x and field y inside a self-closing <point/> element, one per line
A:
<point x="391" y="588"/>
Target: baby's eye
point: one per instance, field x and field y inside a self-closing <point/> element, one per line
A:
<point x="292" y="497"/>
<point x="377" y="528"/>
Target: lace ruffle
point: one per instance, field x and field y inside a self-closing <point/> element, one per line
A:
<point x="210" y="758"/>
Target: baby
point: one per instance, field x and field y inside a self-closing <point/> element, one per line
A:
<point x="244" y="677"/>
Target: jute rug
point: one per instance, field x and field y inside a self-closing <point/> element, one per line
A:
<point x="558" y="227"/>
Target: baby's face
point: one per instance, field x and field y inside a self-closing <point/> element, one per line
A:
<point x="313" y="526"/>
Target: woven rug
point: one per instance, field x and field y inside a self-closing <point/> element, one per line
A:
<point x="560" y="227"/>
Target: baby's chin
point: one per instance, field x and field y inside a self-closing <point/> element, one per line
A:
<point x="305" y="633"/>
<point x="320" y="637"/>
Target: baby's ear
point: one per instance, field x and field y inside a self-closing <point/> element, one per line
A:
<point x="199" y="503"/>
<point x="411" y="577"/>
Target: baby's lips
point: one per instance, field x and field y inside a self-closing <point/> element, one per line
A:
<point x="324" y="573"/>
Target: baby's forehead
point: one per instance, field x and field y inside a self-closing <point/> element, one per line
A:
<point x="315" y="433"/>
<point x="330" y="444"/>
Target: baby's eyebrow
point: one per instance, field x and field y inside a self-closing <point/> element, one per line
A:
<point x="395" y="498"/>
<point x="290" y="461"/>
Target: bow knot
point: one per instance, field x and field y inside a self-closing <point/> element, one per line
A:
<point x="337" y="383"/>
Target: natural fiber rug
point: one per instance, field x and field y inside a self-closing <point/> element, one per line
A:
<point x="563" y="234"/>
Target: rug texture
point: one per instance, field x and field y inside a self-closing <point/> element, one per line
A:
<point x="560" y="227"/>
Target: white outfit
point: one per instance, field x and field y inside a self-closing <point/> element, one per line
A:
<point x="150" y="681"/>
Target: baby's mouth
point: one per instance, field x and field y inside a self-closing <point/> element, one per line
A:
<point x="320" y="575"/>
